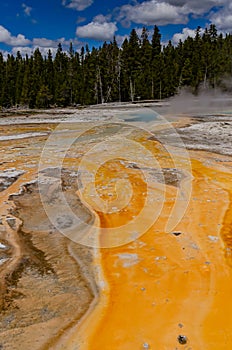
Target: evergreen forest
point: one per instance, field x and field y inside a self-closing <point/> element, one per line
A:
<point x="140" y="69"/>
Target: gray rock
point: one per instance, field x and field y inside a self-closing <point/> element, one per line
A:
<point x="182" y="339"/>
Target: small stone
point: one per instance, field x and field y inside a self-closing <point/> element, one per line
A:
<point x="194" y="246"/>
<point x="182" y="339"/>
<point x="180" y="325"/>
<point x="213" y="238"/>
<point x="11" y="222"/>
<point x="146" y="346"/>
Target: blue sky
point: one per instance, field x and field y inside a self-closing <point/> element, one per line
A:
<point x="25" y="25"/>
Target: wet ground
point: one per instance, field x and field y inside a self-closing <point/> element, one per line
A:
<point x="155" y="271"/>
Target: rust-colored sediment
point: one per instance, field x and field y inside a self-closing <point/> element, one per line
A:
<point x="176" y="284"/>
<point x="152" y="289"/>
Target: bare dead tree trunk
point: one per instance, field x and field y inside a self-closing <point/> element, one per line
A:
<point x="180" y="82"/>
<point x="152" y="88"/>
<point x="131" y="90"/>
<point x="99" y="80"/>
<point x="119" y="81"/>
<point x="108" y="93"/>
<point x="96" y="90"/>
<point x="205" y="78"/>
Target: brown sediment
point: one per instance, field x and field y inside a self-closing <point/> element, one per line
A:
<point x="47" y="283"/>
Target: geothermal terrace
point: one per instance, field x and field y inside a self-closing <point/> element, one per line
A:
<point x="116" y="229"/>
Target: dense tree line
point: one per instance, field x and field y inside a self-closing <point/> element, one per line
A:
<point x="139" y="69"/>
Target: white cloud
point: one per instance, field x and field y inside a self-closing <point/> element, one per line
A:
<point x="46" y="44"/>
<point x="182" y="36"/>
<point x="7" y="38"/>
<point x="27" y="9"/>
<point x="5" y="54"/>
<point x="25" y="46"/>
<point x="66" y="42"/>
<point x="153" y="12"/>
<point x="223" y="19"/>
<point x="197" y="7"/>
<point x="30" y="50"/>
<point x="23" y="50"/>
<point x="78" y="5"/>
<point x="162" y="12"/>
<point x="98" y="29"/>
<point x="102" y="19"/>
<point x="121" y="38"/>
<point x="43" y="42"/>
<point x="44" y="50"/>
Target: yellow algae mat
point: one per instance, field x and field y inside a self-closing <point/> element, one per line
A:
<point x="166" y="290"/>
<point x="147" y="265"/>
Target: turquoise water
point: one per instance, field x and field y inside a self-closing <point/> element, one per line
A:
<point x="143" y="116"/>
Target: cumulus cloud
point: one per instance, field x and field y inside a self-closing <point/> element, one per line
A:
<point x="7" y="38"/>
<point x="153" y="12"/>
<point x="23" y="50"/>
<point x="45" y="44"/>
<point x="121" y="38"/>
<point x="102" y="19"/>
<point x="223" y="18"/>
<point x="162" y="12"/>
<point x="183" y="35"/>
<point x="78" y="5"/>
<point x="197" y="7"/>
<point x="27" y="9"/>
<point x="99" y="29"/>
<point x="25" y="46"/>
<point x="223" y="21"/>
<point x="30" y="50"/>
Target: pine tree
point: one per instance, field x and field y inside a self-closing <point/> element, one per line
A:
<point x="156" y="63"/>
<point x="61" y="84"/>
<point x="134" y="63"/>
<point x="2" y="79"/>
<point x="9" y="83"/>
<point x="168" y="72"/>
<point x="138" y="69"/>
<point x="124" y="71"/>
<point x="145" y="83"/>
<point x="27" y="82"/>
<point x="49" y="76"/>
